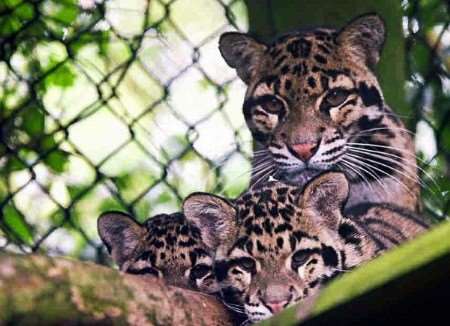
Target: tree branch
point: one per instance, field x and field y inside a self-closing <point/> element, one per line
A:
<point x="43" y="290"/>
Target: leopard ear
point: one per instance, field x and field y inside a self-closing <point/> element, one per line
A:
<point x="325" y="198"/>
<point x="214" y="216"/>
<point x="243" y="53"/>
<point x="121" y="234"/>
<point x="363" y="38"/>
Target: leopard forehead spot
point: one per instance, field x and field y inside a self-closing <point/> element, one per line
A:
<point x="173" y="242"/>
<point x="270" y="218"/>
<point x="301" y="62"/>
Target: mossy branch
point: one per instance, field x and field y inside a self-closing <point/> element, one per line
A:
<point x="42" y="290"/>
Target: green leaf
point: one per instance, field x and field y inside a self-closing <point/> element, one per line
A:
<point x="14" y="164"/>
<point x="9" y="3"/>
<point x="165" y="197"/>
<point x="99" y="38"/>
<point x="57" y="161"/>
<point x="75" y="191"/>
<point x="33" y="121"/>
<point x="67" y="12"/>
<point x="110" y="204"/>
<point x="25" y="11"/>
<point x="63" y="77"/>
<point x="421" y="58"/>
<point x="15" y="221"/>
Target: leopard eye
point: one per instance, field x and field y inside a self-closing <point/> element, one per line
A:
<point x="299" y="258"/>
<point x="336" y="97"/>
<point x="271" y="104"/>
<point x="199" y="271"/>
<point x="248" y="264"/>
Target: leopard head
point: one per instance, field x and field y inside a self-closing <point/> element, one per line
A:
<point x="165" y="246"/>
<point x="312" y="95"/>
<point x="276" y="246"/>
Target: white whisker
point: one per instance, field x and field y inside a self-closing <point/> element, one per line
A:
<point x="392" y="160"/>
<point x="264" y="175"/>
<point x="405" y="151"/>
<point x="372" y="130"/>
<point x="370" y="173"/>
<point x="258" y="161"/>
<point x="406" y="175"/>
<point x="262" y="170"/>
<point x="358" y="160"/>
<point x="261" y="167"/>
<point x="361" y="176"/>
<point x="235" y="308"/>
<point x="377" y="154"/>
<point x="354" y="166"/>
<point x="246" y="322"/>
<point x="261" y="151"/>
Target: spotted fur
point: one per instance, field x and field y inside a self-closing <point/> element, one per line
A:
<point x="165" y="246"/>
<point x="278" y="245"/>
<point x="314" y="104"/>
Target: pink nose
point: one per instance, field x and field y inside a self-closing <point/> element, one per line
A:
<point x="276" y="306"/>
<point x="304" y="150"/>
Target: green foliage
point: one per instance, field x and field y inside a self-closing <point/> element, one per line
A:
<point x="14" y="221"/>
<point x="34" y="49"/>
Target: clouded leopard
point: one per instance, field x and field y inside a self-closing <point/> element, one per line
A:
<point x="313" y="104"/>
<point x="166" y="246"/>
<point x="277" y="245"/>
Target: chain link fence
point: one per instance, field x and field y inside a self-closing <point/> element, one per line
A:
<point x="128" y="105"/>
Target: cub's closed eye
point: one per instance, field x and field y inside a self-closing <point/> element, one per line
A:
<point x="299" y="258"/>
<point x="144" y="271"/>
<point x="336" y="97"/>
<point x="199" y="271"/>
<point x="248" y="264"/>
<point x="270" y="104"/>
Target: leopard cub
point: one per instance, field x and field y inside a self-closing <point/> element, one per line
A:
<point x="166" y="246"/>
<point x="278" y="245"/>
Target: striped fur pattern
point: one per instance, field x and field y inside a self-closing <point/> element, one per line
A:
<point x="278" y="245"/>
<point x="314" y="104"/>
<point x="165" y="246"/>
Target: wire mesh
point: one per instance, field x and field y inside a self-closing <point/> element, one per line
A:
<point x="128" y="105"/>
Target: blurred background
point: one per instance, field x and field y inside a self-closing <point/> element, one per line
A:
<point x="128" y="105"/>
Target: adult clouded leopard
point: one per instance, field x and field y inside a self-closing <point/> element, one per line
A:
<point x="314" y="104"/>
<point x="277" y="245"/>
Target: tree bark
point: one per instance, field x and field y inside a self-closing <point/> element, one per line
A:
<point x="39" y="290"/>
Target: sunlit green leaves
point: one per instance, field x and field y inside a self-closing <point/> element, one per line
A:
<point x="65" y="11"/>
<point x="33" y="121"/>
<point x="63" y="76"/>
<point x="56" y="160"/>
<point x="100" y="39"/>
<point x="16" y="223"/>
<point x="13" y="15"/>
